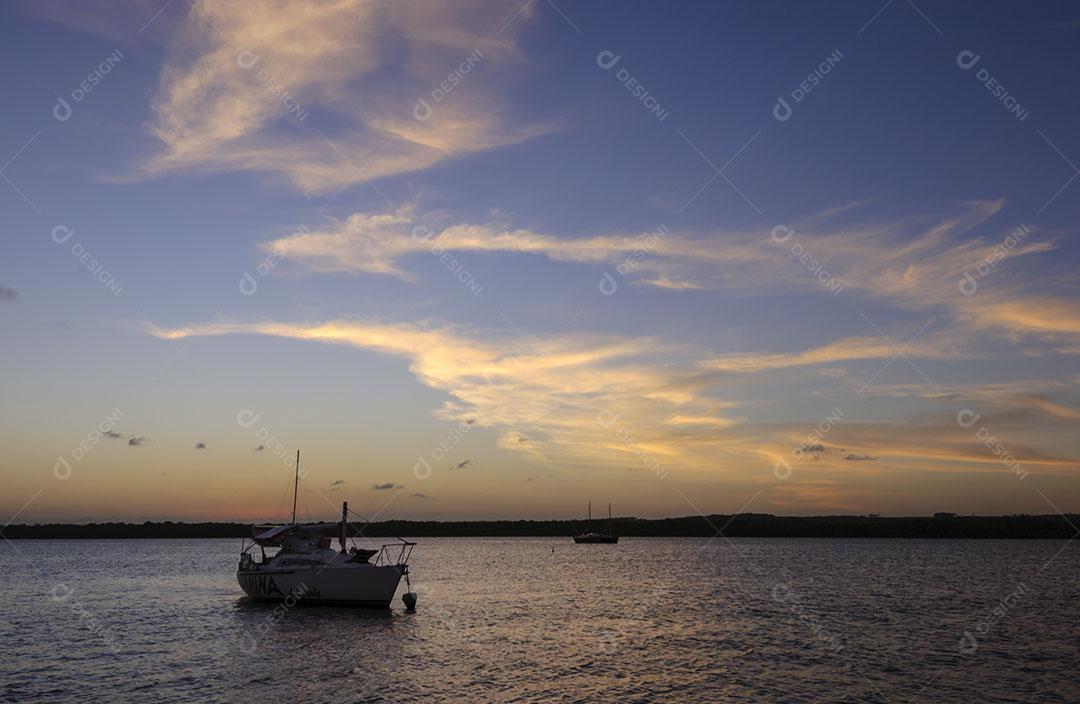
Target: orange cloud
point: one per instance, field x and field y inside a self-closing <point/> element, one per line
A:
<point x="601" y="400"/>
<point x="238" y="97"/>
<point x="931" y="268"/>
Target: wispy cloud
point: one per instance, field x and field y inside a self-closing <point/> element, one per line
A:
<point x="376" y="243"/>
<point x="325" y="94"/>
<point x="934" y="346"/>
<point x="604" y="400"/>
<point x="916" y="263"/>
<point x="8" y="294"/>
<point x="387" y="485"/>
<point x="200" y="446"/>
<point x="664" y="282"/>
<point x="129" y="23"/>
<point x="136" y="441"/>
<point x="544" y="397"/>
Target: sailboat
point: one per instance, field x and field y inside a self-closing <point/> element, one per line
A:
<point x="591" y="536"/>
<point x="305" y="569"/>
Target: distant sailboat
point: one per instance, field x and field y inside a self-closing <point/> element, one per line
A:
<point x="591" y="536"/>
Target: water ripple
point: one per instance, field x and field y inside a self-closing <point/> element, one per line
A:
<point x="504" y="620"/>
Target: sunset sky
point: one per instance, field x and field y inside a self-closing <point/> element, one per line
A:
<point x="497" y="259"/>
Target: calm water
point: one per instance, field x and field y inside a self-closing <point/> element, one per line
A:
<point x="749" y="620"/>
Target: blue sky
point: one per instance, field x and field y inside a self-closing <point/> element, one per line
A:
<point x="222" y="138"/>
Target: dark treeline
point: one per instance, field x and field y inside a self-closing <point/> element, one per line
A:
<point x="741" y="526"/>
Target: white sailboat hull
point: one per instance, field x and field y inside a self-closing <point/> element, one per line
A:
<point x="350" y="584"/>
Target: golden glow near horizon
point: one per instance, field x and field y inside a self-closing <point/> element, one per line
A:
<point x="369" y="230"/>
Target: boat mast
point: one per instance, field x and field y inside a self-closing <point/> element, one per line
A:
<point x="296" y="485"/>
<point x="344" y="523"/>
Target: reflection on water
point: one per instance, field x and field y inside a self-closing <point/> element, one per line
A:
<point x="508" y="620"/>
